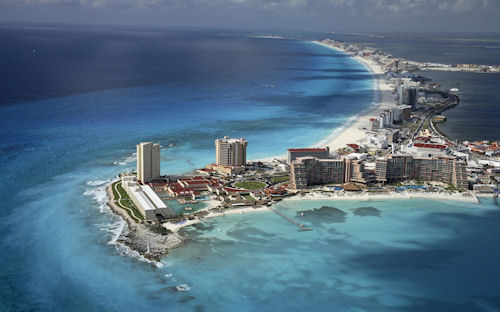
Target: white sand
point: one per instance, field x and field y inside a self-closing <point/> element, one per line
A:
<point x="352" y="130"/>
<point x="175" y="227"/>
<point x="464" y="197"/>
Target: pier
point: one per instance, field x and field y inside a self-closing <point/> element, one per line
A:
<point x="299" y="225"/>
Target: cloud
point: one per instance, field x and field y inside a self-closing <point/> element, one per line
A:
<point x="366" y="7"/>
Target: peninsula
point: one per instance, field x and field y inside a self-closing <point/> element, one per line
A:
<point x="393" y="150"/>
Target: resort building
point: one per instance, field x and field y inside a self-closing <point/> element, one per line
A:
<point x="230" y="152"/>
<point x="226" y="170"/>
<point x="444" y="169"/>
<point x="145" y="199"/>
<point x="307" y="171"/>
<point x="356" y="172"/>
<point x="402" y="113"/>
<point x="408" y="95"/>
<point x="148" y="161"/>
<point x="194" y="187"/>
<point x="320" y="153"/>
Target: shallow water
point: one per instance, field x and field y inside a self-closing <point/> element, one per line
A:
<point x="414" y="255"/>
<point x="73" y="111"/>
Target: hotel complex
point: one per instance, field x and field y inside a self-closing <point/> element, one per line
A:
<point x="145" y="199"/>
<point x="306" y="171"/>
<point x="444" y="169"/>
<point x="230" y="152"/>
<point x="148" y="161"/>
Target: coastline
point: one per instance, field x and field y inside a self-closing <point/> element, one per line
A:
<point x="461" y="197"/>
<point x="352" y="130"/>
<point x="136" y="236"/>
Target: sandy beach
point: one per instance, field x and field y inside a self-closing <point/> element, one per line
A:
<point x="175" y="227"/>
<point x="355" y="127"/>
<point x="463" y="197"/>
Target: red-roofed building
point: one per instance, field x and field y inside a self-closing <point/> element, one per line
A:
<point x="193" y="186"/>
<point x="427" y="149"/>
<point x="421" y="139"/>
<point x="353" y="147"/>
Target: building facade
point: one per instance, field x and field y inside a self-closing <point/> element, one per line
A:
<point x="307" y="171"/>
<point x="230" y="152"/>
<point x="444" y="169"/>
<point x="145" y="199"/>
<point x="408" y="95"/>
<point x="320" y="153"/>
<point x="148" y="161"/>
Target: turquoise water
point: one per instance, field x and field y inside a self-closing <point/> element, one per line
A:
<point x="73" y="111"/>
<point x="401" y="255"/>
<point x="72" y="114"/>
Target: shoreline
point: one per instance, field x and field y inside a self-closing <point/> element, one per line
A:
<point x="460" y="197"/>
<point x="351" y="129"/>
<point x="136" y="236"/>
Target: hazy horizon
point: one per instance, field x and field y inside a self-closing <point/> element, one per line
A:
<point x="374" y="16"/>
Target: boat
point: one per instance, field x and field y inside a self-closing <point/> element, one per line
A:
<point x="182" y="287"/>
<point x="454" y="90"/>
<point x="188" y="208"/>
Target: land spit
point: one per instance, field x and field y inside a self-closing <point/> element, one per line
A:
<point x="137" y="235"/>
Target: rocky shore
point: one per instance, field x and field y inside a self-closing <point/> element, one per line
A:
<point x="137" y="235"/>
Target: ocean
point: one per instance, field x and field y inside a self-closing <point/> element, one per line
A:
<point x="74" y="103"/>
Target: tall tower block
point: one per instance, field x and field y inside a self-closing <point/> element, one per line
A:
<point x="230" y="152"/>
<point x="148" y="161"/>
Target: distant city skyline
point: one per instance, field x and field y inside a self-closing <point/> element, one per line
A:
<point x="306" y="15"/>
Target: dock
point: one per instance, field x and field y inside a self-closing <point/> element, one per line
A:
<point x="299" y="225"/>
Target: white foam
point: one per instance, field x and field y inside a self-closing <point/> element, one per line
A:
<point x="183" y="287"/>
<point x="99" y="195"/>
<point x="126" y="160"/>
<point x="98" y="182"/>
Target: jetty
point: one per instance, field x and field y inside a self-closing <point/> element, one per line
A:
<point x="299" y="225"/>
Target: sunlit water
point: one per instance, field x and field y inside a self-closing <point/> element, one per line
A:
<point x="72" y="113"/>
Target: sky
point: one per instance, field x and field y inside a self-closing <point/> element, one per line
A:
<point x="306" y="15"/>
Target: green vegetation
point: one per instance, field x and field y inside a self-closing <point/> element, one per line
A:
<point x="250" y="185"/>
<point x="451" y="188"/>
<point x="159" y="230"/>
<point x="125" y="202"/>
<point x="280" y="179"/>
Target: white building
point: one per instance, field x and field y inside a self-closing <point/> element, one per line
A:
<point x="148" y="161"/>
<point x="375" y="141"/>
<point x="145" y="199"/>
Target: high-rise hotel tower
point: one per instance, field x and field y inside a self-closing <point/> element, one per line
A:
<point x="148" y="161"/>
<point x="231" y="152"/>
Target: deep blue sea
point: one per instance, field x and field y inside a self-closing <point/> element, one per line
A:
<point x="74" y="103"/>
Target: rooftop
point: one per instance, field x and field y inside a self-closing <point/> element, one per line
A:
<point x="307" y="149"/>
<point x="428" y="145"/>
